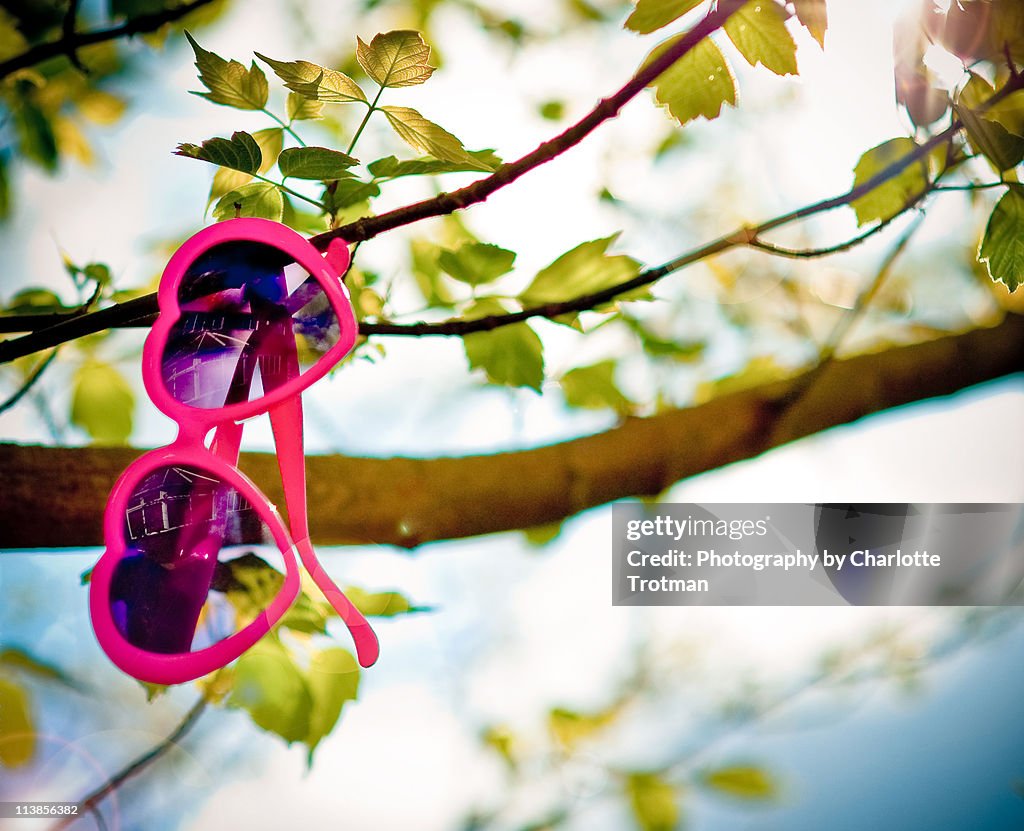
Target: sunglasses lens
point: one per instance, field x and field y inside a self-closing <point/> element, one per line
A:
<point x="195" y="568"/>
<point x="251" y="320"/>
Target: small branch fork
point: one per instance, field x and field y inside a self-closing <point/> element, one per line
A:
<point x="71" y="41"/>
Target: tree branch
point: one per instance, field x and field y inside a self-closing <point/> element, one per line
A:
<point x="91" y="801"/>
<point x="70" y="41"/>
<point x="407" y="502"/>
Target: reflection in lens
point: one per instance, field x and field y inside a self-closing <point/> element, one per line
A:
<point x="190" y="575"/>
<point x="251" y="319"/>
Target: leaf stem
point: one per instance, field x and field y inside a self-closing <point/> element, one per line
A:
<point x="286" y="127"/>
<point x="366" y="119"/>
<point x="291" y="192"/>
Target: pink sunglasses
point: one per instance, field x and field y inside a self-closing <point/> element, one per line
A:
<point x="251" y="314"/>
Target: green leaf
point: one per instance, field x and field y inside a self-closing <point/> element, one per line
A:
<point x="36" y="138"/>
<point x="653" y="800"/>
<point x="22" y="661"/>
<point x="585" y="269"/>
<point x="395" y="59"/>
<point x="270" y="687"/>
<point x="12" y="41"/>
<point x="333" y="680"/>
<point x="229" y="82"/>
<point x="814" y="16"/>
<point x="250" y="585"/>
<point x="5" y="190"/>
<point x="428" y="137"/>
<point x="895" y="194"/>
<point x="698" y="84"/>
<point x="743" y="781"/>
<point x="34" y="301"/>
<point x="102" y="403"/>
<point x="651" y="15"/>
<point x="301" y="108"/>
<point x="305" y="222"/>
<point x="240" y="152"/>
<point x="316" y="83"/>
<point x="348" y="192"/>
<point x="510" y="355"/>
<point x="593" y="387"/>
<point x="17" y="733"/>
<point x="540" y="535"/>
<point x="1008" y="113"/>
<point x="552" y="110"/>
<point x="1002" y="247"/>
<point x="270" y="141"/>
<point x="423" y="258"/>
<point x="379" y="604"/>
<point x="315" y="163"/>
<point x="989" y="137"/>
<point x="477" y="263"/>
<point x="759" y="31"/>
<point x="260" y="199"/>
<point x="391" y="168"/>
<point x="569" y="728"/>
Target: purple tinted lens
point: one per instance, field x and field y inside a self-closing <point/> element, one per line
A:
<point x="193" y="571"/>
<point x="251" y="320"/>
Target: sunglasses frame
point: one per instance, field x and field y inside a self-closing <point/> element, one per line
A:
<point x="283" y="404"/>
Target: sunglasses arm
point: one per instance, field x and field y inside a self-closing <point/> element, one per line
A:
<point x="286" y="421"/>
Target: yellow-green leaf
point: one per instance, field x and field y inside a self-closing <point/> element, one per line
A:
<point x="22" y="661"/>
<point x="428" y="137"/>
<point x="333" y="680"/>
<point x="743" y="781"/>
<point x="379" y="604"/>
<point x="476" y="263"/>
<point x="569" y="728"/>
<point x="698" y="84"/>
<point x="593" y="387"/>
<point x="269" y="685"/>
<point x="814" y="16"/>
<point x="510" y="355"/>
<point x="654" y="802"/>
<point x="12" y="41"/>
<point x="301" y="108"/>
<point x="270" y="141"/>
<point x="585" y="269"/>
<point x="319" y="163"/>
<point x="392" y="168"/>
<point x="1002" y="247"/>
<point x="758" y="30"/>
<point x="240" y="152"/>
<point x="987" y="135"/>
<point x="102" y="403"/>
<point x="395" y="59"/>
<point x="229" y="82"/>
<point x="651" y="15"/>
<point x="316" y="82"/>
<point x="894" y="194"/>
<point x="260" y="199"/>
<point x="17" y="735"/>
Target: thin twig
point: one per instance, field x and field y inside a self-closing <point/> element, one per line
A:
<point x="68" y="29"/>
<point x="89" y="802"/>
<point x="30" y="382"/>
<point x="71" y="42"/>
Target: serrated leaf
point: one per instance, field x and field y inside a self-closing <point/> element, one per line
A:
<point x="1002" y="246"/>
<point x="260" y="199"/>
<point x="585" y="269"/>
<point x="895" y="194"/>
<point x="270" y="141"/>
<point x="269" y="685"/>
<point x="318" y="83"/>
<point x="428" y="137"/>
<point x="593" y="387"/>
<point x="348" y="192"/>
<point x="395" y="59"/>
<point x="654" y="802"/>
<point x="698" y="84"/>
<point x="301" y="108"/>
<point x="240" y="152"/>
<point x="318" y="163"/>
<point x="476" y="263"/>
<point x="509" y="355"/>
<point x="651" y="15"/>
<point x="758" y="30"/>
<point x="988" y="136"/>
<point x="17" y="733"/>
<point x="305" y="222"/>
<point x="813" y="15"/>
<point x="743" y="781"/>
<point x="102" y="403"/>
<point x="333" y="680"/>
<point x="229" y="82"/>
<point x="392" y="168"/>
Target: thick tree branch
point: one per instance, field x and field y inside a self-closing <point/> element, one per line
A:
<point x="408" y="502"/>
<point x="70" y="41"/>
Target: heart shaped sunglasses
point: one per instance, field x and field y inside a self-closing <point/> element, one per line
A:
<point x="251" y="314"/>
